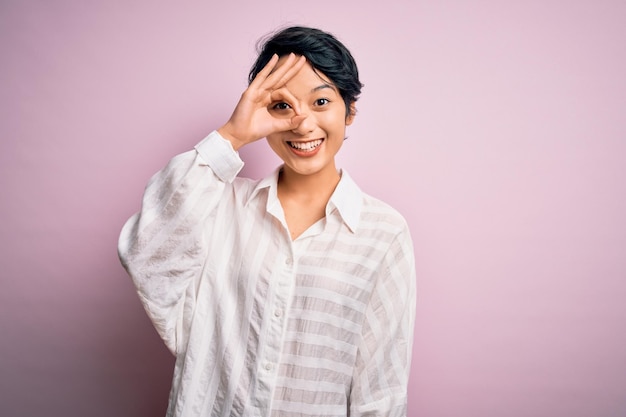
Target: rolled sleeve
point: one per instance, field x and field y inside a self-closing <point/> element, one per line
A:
<point x="219" y="154"/>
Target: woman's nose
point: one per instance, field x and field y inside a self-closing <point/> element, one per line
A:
<point x="306" y="126"/>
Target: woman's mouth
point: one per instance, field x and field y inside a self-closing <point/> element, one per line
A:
<point x="306" y="147"/>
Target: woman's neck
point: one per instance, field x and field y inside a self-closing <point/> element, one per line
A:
<point x="320" y="185"/>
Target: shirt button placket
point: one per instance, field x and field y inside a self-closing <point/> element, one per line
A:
<point x="282" y="293"/>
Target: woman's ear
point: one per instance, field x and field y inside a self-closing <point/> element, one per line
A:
<point x="351" y="114"/>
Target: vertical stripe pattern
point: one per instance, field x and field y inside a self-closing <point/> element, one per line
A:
<point x="262" y="325"/>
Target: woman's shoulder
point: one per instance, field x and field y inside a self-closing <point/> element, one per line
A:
<point x="378" y="214"/>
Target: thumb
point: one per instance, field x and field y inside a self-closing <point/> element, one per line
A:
<point x="284" y="125"/>
<point x="296" y="120"/>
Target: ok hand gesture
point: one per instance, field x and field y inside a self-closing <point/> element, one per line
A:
<point x="251" y="119"/>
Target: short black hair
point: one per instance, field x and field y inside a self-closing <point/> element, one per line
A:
<point x="322" y="50"/>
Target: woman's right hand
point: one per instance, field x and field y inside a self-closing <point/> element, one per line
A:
<point x="251" y="120"/>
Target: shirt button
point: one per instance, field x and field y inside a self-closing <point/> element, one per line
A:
<point x="268" y="366"/>
<point x="288" y="261"/>
<point x="278" y="312"/>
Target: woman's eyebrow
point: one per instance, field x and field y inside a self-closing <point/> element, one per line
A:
<point x="322" y="86"/>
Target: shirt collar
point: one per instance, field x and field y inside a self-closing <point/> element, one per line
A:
<point x="347" y="199"/>
<point x="269" y="182"/>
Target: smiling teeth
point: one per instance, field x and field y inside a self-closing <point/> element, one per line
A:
<point x="306" y="146"/>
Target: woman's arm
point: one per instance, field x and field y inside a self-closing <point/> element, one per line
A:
<point x="163" y="247"/>
<point x="383" y="362"/>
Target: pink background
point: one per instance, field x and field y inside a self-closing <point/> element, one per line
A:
<point x="498" y="128"/>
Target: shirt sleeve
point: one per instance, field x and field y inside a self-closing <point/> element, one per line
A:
<point x="383" y="362"/>
<point x="163" y="246"/>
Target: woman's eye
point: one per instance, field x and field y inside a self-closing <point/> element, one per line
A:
<point x="321" y="101"/>
<point x="281" y="106"/>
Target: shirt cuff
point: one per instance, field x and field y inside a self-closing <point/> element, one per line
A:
<point x="218" y="153"/>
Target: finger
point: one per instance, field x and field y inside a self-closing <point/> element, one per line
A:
<point x="272" y="80"/>
<point x="265" y="72"/>
<point x="293" y="69"/>
<point x="283" y="125"/>
<point x="283" y="94"/>
<point x="297" y="120"/>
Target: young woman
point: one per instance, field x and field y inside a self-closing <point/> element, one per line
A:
<point x="292" y="295"/>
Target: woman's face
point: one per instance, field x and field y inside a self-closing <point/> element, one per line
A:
<point x="312" y="146"/>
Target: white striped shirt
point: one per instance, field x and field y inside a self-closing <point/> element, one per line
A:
<point x="262" y="325"/>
